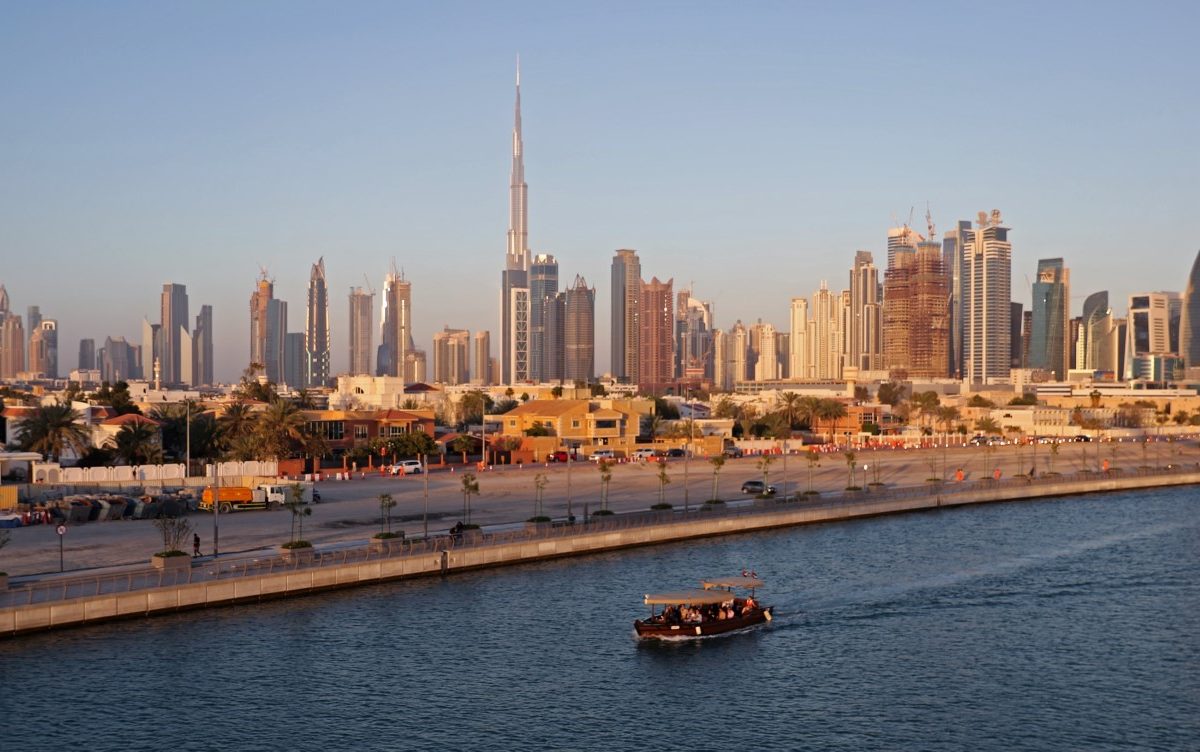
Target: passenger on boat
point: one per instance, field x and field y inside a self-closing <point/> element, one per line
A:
<point x="750" y="606"/>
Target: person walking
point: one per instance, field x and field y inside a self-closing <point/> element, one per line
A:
<point x="195" y="544"/>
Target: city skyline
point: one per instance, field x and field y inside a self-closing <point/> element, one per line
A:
<point x="792" y="205"/>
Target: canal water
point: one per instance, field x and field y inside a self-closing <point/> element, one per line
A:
<point x="1064" y="624"/>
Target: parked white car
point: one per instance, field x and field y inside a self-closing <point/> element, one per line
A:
<point x="408" y="467"/>
<point x="643" y="454"/>
<point x="602" y="454"/>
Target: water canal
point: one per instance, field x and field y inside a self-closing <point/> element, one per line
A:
<point x="1050" y="625"/>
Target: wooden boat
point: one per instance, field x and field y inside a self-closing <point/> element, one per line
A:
<point x="715" y="609"/>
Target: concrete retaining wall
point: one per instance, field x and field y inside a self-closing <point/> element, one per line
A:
<point x="79" y="611"/>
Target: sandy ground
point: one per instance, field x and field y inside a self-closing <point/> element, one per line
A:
<point x="349" y="512"/>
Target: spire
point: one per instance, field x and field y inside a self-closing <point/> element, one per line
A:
<point x="518" y="236"/>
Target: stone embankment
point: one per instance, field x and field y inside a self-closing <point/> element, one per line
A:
<point x="58" y="603"/>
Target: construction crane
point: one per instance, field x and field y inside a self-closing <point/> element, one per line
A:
<point x="367" y="279"/>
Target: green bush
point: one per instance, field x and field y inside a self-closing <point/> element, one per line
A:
<point x="294" y="544"/>
<point x="661" y="507"/>
<point x="539" y="518"/>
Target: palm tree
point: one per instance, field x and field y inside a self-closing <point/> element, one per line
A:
<point x="137" y="443"/>
<point x="788" y="405"/>
<point x="764" y="464"/>
<point x="52" y="429"/>
<point x="386" y="503"/>
<point x="236" y="424"/>
<point x="814" y="461"/>
<point x="850" y="458"/>
<point x="470" y="487"/>
<point x="463" y="443"/>
<point x="663" y="480"/>
<point x="831" y="410"/>
<point x="987" y="426"/>
<point x="606" y="474"/>
<point x="280" y="430"/>
<point x="539" y="487"/>
<point x="717" y="461"/>
<point x="807" y="411"/>
<point x="947" y="415"/>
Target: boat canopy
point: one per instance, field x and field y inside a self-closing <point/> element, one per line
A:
<point x="687" y="597"/>
<point x="750" y="583"/>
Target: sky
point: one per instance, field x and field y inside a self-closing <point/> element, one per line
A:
<point x="746" y="150"/>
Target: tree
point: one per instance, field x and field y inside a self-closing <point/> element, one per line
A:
<point x="299" y="509"/>
<point x="890" y="393"/>
<point x="788" y="406"/>
<point x="927" y="403"/>
<point x="606" y="473"/>
<point x="557" y="392"/>
<point x="470" y="487"/>
<point x="808" y="410"/>
<point x="665" y="410"/>
<point x="831" y="410"/>
<point x="386" y="504"/>
<point x="539" y="486"/>
<point x="947" y="416"/>
<point x="987" y="426"/>
<point x="252" y="387"/>
<point x="117" y="397"/>
<point x="850" y="461"/>
<point x="1053" y="456"/>
<point x="174" y="532"/>
<point x="764" y="466"/>
<point x="717" y="461"/>
<point x="280" y="430"/>
<point x="663" y="480"/>
<point x="235" y="428"/>
<point x="411" y="444"/>
<point x="463" y="443"/>
<point x="137" y="443"/>
<point x="53" y="429"/>
<point x="305" y="400"/>
<point x="725" y="409"/>
<point x="814" y="461"/>
<point x="473" y="405"/>
<point x="978" y="400"/>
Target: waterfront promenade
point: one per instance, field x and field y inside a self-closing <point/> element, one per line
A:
<point x="44" y="602"/>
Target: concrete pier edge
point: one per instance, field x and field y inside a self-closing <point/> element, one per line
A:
<point x="38" y="617"/>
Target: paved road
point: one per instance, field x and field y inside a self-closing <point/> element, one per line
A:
<point x="350" y="509"/>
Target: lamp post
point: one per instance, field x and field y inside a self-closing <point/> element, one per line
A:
<point x="425" y="513"/>
<point x="570" y="451"/>
<point x="187" y="422"/>
<point x="785" y="454"/>
<point x="216" y="506"/>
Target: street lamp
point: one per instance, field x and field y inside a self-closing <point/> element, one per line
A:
<point x="570" y="451"/>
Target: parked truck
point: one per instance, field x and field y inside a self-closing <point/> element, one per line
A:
<point x="265" y="496"/>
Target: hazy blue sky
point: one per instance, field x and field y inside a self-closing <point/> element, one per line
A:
<point x="750" y="148"/>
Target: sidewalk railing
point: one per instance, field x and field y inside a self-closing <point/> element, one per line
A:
<point x="64" y="588"/>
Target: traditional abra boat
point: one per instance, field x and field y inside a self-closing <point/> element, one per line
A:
<point x="713" y="610"/>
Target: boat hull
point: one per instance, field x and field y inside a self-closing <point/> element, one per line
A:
<point x="660" y="630"/>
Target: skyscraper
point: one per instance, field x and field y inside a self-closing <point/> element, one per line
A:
<point x="43" y="348"/>
<point x="151" y="350"/>
<point x="626" y="327"/>
<point x="899" y="239"/>
<point x="12" y="340"/>
<point x="865" y="344"/>
<point x="1095" y="347"/>
<point x="316" y="331"/>
<point x="657" y="336"/>
<point x="916" y="317"/>
<point x="293" y="360"/>
<point x="117" y="360"/>
<point x="1189" y="319"/>
<point x="825" y="337"/>
<point x="202" y="348"/>
<point x="172" y="331"/>
<point x="1150" y="341"/>
<point x="737" y="353"/>
<point x="451" y="354"/>
<point x="693" y="338"/>
<point x="395" y="325"/>
<point x="554" y="343"/>
<point x="87" y="355"/>
<point x="483" y="358"/>
<point x="543" y="286"/>
<point x="514" y="280"/>
<point x="987" y="293"/>
<point x="361" y="307"/>
<point x="268" y="329"/>
<point x="763" y="342"/>
<point x="1049" y="344"/>
<point x="799" y="346"/>
<point x="952" y="256"/>
<point x="33" y="319"/>
<point x="579" y="332"/>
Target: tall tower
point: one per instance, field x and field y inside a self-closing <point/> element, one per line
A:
<point x="864" y="340"/>
<point x="174" y="330"/>
<point x="1049" y="343"/>
<point x="626" y="314"/>
<point x="656" y="359"/>
<point x="87" y="354"/>
<point x="514" y="280"/>
<point x="543" y="286"/>
<point x="316" y="332"/>
<point x="579" y="332"/>
<point x="1189" y="319"/>
<point x="202" y="348"/>
<point x="451" y="356"/>
<point x="483" y="358"/>
<point x="395" y="323"/>
<point x="799" y="347"/>
<point x="953" y="242"/>
<point x="361" y="305"/>
<point x="12" y="340"/>
<point x="268" y="328"/>
<point x="987" y="299"/>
